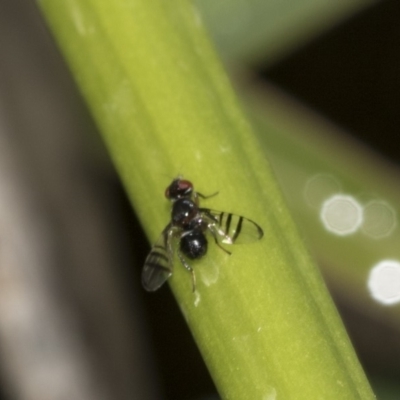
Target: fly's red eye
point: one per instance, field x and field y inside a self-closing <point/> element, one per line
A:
<point x="178" y="188"/>
<point x="185" y="187"/>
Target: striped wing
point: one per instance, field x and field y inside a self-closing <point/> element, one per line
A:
<point x="232" y="228"/>
<point x="158" y="265"/>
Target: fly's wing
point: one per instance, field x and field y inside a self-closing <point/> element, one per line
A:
<point x="232" y="228"/>
<point x="158" y="265"/>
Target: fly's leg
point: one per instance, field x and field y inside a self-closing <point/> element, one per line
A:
<point x="190" y="269"/>
<point x="197" y="195"/>
<point x="214" y="235"/>
<point x="206" y="197"/>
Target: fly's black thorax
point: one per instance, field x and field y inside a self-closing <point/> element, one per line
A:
<point x="184" y="214"/>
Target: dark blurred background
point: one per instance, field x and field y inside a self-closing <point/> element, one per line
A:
<point x="74" y="321"/>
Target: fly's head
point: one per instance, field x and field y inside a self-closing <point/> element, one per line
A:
<point x="179" y="189"/>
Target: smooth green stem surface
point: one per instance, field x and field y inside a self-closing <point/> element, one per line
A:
<point x="262" y="317"/>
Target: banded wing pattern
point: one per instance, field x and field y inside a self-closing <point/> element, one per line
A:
<point x="158" y="265"/>
<point x="234" y="229"/>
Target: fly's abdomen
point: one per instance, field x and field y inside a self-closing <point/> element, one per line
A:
<point x="194" y="244"/>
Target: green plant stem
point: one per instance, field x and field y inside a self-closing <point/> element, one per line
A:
<point x="262" y="317"/>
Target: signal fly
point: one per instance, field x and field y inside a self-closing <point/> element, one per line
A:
<point x="188" y="226"/>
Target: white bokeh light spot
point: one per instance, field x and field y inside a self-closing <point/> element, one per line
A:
<point x="319" y="187"/>
<point x="341" y="214"/>
<point x="384" y="282"/>
<point x="380" y="219"/>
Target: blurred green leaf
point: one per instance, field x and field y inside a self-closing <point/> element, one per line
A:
<point x="247" y="31"/>
<point x="303" y="149"/>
